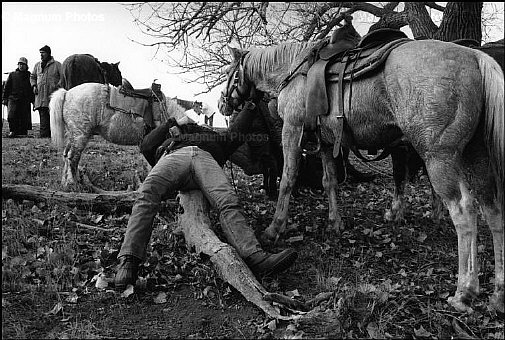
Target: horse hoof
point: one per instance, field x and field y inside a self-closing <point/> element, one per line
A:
<point x="496" y="302"/>
<point x="456" y="301"/>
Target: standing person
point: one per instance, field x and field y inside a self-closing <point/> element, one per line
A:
<point x="193" y="161"/>
<point x="17" y="96"/>
<point x="44" y="81"/>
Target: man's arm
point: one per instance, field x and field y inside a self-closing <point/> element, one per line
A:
<point x="154" y="139"/>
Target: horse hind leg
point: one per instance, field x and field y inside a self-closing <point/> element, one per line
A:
<point x="74" y="155"/>
<point x="494" y="218"/>
<point x="399" y="160"/>
<point x="330" y="184"/>
<point x="447" y="180"/>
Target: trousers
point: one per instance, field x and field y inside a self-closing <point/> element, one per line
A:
<point x="45" y="127"/>
<point x="188" y="168"/>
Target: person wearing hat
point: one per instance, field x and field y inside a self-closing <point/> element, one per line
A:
<point x="44" y="81"/>
<point x="17" y="96"/>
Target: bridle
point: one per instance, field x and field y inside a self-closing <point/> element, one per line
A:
<point x="235" y="85"/>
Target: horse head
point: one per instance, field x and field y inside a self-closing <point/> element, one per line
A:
<point x="198" y="107"/>
<point x="112" y="73"/>
<point x="237" y="90"/>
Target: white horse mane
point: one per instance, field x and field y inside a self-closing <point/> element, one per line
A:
<point x="266" y="61"/>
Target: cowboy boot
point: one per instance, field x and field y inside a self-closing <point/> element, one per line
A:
<point x="127" y="271"/>
<point x="263" y="263"/>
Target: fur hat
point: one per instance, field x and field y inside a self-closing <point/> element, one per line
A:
<point x="23" y="60"/>
<point x="45" y="49"/>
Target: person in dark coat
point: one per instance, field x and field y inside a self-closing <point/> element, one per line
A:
<point x="17" y="96"/>
<point x="45" y="80"/>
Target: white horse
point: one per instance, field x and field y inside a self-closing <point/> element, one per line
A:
<point x="85" y="110"/>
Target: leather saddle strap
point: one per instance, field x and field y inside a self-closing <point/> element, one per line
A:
<point x="340" y="118"/>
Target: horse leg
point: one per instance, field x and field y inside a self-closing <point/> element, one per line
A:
<point x="437" y="205"/>
<point x="66" y="168"/>
<point x="78" y="145"/>
<point x="292" y="153"/>
<point x="399" y="160"/>
<point x="330" y="184"/>
<point x="494" y="219"/>
<point x="448" y="181"/>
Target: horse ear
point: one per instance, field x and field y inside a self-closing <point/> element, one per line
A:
<point x="235" y="53"/>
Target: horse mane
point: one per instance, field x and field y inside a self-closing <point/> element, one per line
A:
<point x="174" y="109"/>
<point x="262" y="61"/>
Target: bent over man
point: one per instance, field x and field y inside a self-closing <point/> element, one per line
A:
<point x="193" y="159"/>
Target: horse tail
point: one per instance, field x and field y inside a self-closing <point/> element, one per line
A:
<point x="492" y="78"/>
<point x="56" y="117"/>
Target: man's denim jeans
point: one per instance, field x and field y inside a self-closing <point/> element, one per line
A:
<point x="188" y="168"/>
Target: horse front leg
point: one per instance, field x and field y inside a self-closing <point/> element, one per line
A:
<point x="290" y="137"/>
<point x="330" y="184"/>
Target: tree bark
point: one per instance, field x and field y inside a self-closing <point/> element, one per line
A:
<point x="196" y="226"/>
<point x="109" y="201"/>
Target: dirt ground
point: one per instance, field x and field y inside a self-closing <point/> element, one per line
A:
<point x="382" y="279"/>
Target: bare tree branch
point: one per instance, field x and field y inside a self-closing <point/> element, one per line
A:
<point x="193" y="36"/>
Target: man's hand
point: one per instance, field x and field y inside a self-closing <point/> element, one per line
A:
<point x="5" y="102"/>
<point x="35" y="90"/>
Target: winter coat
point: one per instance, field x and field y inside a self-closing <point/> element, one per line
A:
<point x="17" y="87"/>
<point x="47" y="80"/>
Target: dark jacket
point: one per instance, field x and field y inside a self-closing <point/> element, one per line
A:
<point x="220" y="145"/>
<point x="17" y="87"/>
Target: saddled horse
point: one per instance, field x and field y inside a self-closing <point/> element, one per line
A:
<point x="446" y="100"/>
<point x="93" y="108"/>
<point x="85" y="68"/>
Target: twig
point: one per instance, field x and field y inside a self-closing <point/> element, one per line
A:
<point x="82" y="225"/>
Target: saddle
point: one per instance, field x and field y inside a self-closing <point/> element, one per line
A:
<point x="152" y="93"/>
<point x="135" y="102"/>
<point x="331" y="64"/>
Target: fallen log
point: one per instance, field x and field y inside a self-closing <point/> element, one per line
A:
<point x="106" y="201"/>
<point x="196" y="226"/>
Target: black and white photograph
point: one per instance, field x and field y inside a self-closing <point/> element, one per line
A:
<point x="253" y="170"/>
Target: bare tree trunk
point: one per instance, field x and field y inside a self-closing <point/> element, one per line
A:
<point x="462" y="20"/>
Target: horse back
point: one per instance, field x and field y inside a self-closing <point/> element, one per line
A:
<point x="80" y="68"/>
<point x="421" y="92"/>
